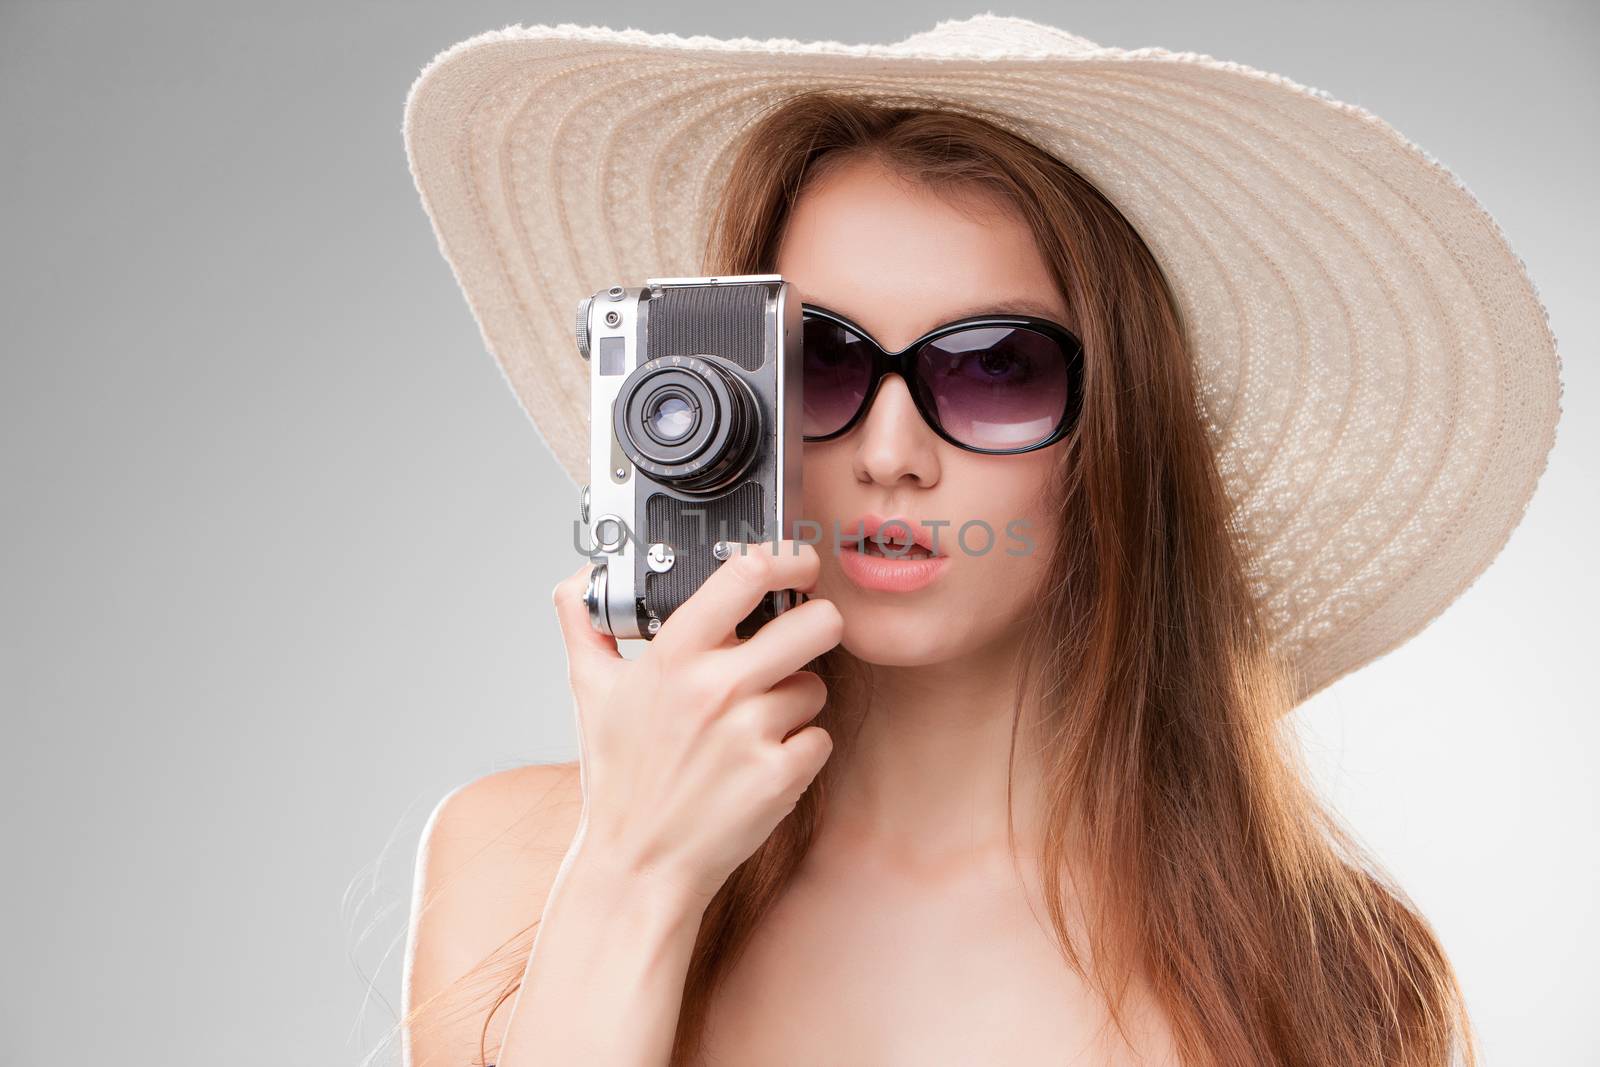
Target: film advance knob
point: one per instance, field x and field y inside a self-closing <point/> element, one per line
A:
<point x="583" y="326"/>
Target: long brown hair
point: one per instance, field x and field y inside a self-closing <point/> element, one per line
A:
<point x="1203" y="860"/>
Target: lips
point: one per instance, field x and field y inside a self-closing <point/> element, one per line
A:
<point x="898" y="531"/>
<point x="878" y="569"/>
<point x="891" y="537"/>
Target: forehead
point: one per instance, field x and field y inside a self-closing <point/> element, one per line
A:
<point x="901" y="259"/>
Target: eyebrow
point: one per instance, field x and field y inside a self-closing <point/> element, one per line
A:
<point x="1015" y="306"/>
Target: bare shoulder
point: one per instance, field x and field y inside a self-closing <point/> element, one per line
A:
<point x="489" y="855"/>
<point x="502" y="816"/>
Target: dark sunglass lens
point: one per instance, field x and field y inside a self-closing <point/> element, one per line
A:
<point x="995" y="387"/>
<point x="838" y="368"/>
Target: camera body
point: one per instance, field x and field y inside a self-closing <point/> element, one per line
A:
<point x="695" y="403"/>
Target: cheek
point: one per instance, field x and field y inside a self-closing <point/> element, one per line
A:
<point x="1005" y="550"/>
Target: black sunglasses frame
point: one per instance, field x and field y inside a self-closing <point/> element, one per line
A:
<point x="904" y="363"/>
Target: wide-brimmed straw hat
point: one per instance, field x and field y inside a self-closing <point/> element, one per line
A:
<point x="1377" y="371"/>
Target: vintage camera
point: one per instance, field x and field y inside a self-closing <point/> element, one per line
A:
<point x="694" y="440"/>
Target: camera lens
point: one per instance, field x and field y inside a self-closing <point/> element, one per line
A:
<point x="688" y="421"/>
<point x="672" y="415"/>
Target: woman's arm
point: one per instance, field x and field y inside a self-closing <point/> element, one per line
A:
<point x="605" y="982"/>
<point x="604" y="979"/>
<point x="689" y="756"/>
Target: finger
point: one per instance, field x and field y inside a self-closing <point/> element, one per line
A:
<point x="588" y="650"/>
<point x="707" y="619"/>
<point x="806" y="753"/>
<point x="785" y="644"/>
<point x="787" y="706"/>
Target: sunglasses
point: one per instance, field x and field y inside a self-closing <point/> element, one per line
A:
<point x="995" y="384"/>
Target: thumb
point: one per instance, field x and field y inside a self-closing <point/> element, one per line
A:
<point x="589" y="652"/>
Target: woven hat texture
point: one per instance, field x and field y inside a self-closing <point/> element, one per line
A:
<point x="1377" y="372"/>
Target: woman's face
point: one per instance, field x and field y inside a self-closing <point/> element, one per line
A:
<point x="899" y="260"/>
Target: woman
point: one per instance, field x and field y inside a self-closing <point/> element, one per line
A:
<point x="1021" y="807"/>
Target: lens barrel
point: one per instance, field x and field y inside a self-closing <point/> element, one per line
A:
<point x="688" y="422"/>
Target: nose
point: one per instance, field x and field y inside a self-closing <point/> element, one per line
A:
<point x="893" y="444"/>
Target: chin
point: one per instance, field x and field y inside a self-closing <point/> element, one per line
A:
<point x="899" y="633"/>
<point x="888" y="649"/>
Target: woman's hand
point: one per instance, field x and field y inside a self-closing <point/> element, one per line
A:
<point x="687" y="763"/>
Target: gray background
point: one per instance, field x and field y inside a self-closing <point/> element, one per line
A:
<point x="279" y="543"/>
